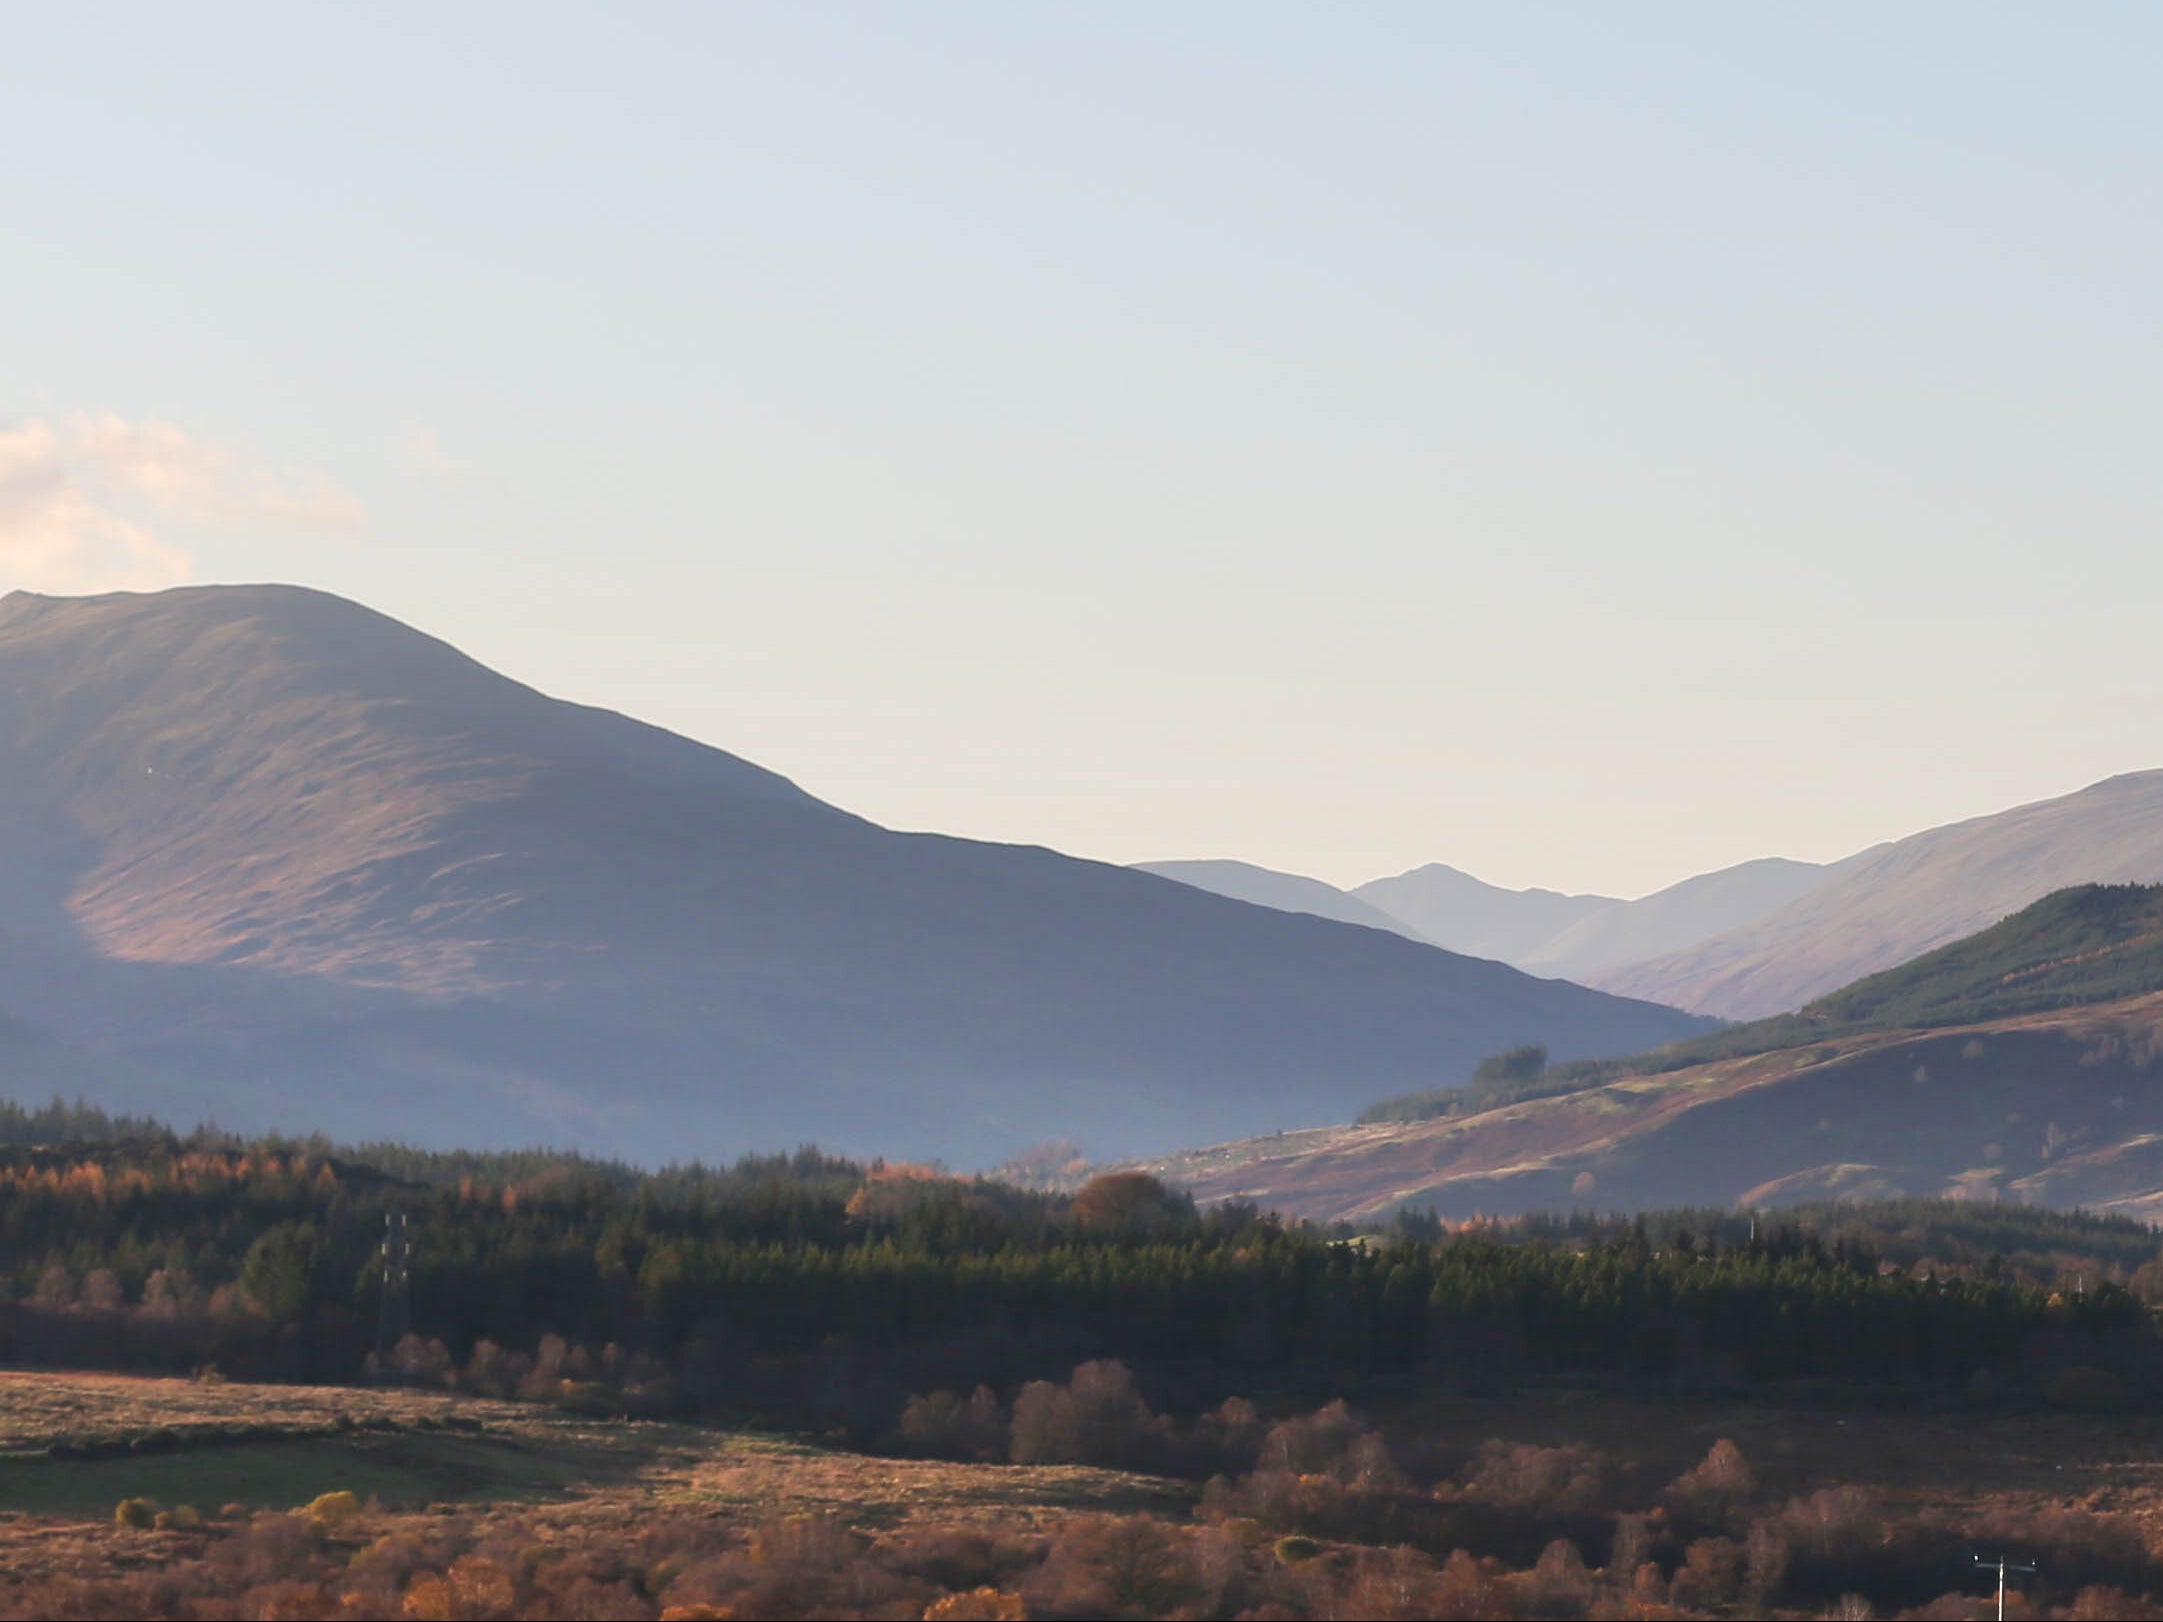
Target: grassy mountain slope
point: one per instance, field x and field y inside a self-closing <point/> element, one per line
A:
<point x="280" y="860"/>
<point x="2088" y="944"/>
<point x="2065" y="1108"/>
<point x="1674" y="918"/>
<point x="2092" y="943"/>
<point x="2021" y="1062"/>
<point x="1890" y="904"/>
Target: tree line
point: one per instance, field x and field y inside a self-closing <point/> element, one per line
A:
<point x="784" y="1280"/>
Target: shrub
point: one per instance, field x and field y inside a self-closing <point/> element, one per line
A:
<point x="1712" y="1491"/>
<point x="1765" y="1557"/>
<point x="2098" y="1604"/>
<point x="1711" y="1574"/>
<point x="428" y="1599"/>
<point x="958" y="1559"/>
<point x="1722" y="1470"/>
<point x="271" y="1548"/>
<point x="1558" y="1584"/>
<point x="135" y="1514"/>
<point x="1228" y="1437"/>
<point x="1113" y="1565"/>
<point x="1389" y="1584"/>
<point x="1571" y="1480"/>
<point x="1310" y="1446"/>
<point x="1096" y="1418"/>
<point x="1131" y="1205"/>
<point x="1632" y="1545"/>
<point x="1833" y="1524"/>
<point x="942" y="1426"/>
<point x="331" y="1509"/>
<point x="1467" y="1587"/>
<point x="480" y="1588"/>
<point x="978" y="1605"/>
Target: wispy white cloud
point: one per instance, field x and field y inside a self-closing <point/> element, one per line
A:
<point x="82" y="502"/>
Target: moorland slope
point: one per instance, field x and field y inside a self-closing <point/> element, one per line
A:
<point x="2020" y="1063"/>
<point x="268" y="856"/>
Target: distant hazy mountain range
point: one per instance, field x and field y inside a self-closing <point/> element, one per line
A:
<point x="1288" y="892"/>
<point x="269" y="857"/>
<point x="1768" y="935"/>
<point x="1887" y="904"/>
<point x="1569" y="937"/>
<point x="2023" y="1062"/>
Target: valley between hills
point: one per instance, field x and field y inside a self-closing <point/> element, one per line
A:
<point x="1599" y="1305"/>
<point x="1098" y="813"/>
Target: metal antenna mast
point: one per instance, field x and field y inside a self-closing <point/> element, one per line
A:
<point x="396" y="1321"/>
<point x="2002" y="1566"/>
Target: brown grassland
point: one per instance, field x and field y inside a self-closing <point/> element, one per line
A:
<point x="127" y="1496"/>
<point x="2031" y="1107"/>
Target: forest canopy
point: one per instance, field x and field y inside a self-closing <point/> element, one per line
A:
<point x="805" y="1283"/>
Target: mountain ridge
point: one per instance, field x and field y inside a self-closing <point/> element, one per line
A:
<point x="275" y="857"/>
<point x="1894" y="901"/>
<point x="1543" y="932"/>
<point x="2025" y="1060"/>
<point x="1287" y="892"/>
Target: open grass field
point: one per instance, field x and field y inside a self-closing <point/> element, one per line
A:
<point x="227" y="1450"/>
<point x="412" y="1449"/>
<point x="38" y="1410"/>
<point x="509" y="1483"/>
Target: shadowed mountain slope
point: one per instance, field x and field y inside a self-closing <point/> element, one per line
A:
<point x="2093" y="943"/>
<point x="1890" y="903"/>
<point x="272" y="857"/>
<point x="2025" y="1061"/>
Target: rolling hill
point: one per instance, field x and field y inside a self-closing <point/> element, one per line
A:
<point x="1669" y="920"/>
<point x="1888" y="904"/>
<point x="1465" y="914"/>
<point x="2025" y="1062"/>
<point x="1563" y="937"/>
<point x="270" y="857"/>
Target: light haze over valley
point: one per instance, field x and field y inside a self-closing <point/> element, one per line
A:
<point x="1565" y="536"/>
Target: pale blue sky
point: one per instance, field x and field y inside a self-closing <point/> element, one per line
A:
<point x="1584" y="444"/>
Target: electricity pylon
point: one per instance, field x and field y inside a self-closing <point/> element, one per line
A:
<point x="2003" y="1566"/>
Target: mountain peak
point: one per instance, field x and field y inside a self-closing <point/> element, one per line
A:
<point x="319" y="866"/>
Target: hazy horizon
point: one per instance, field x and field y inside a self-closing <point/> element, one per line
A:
<point x="1587" y="449"/>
